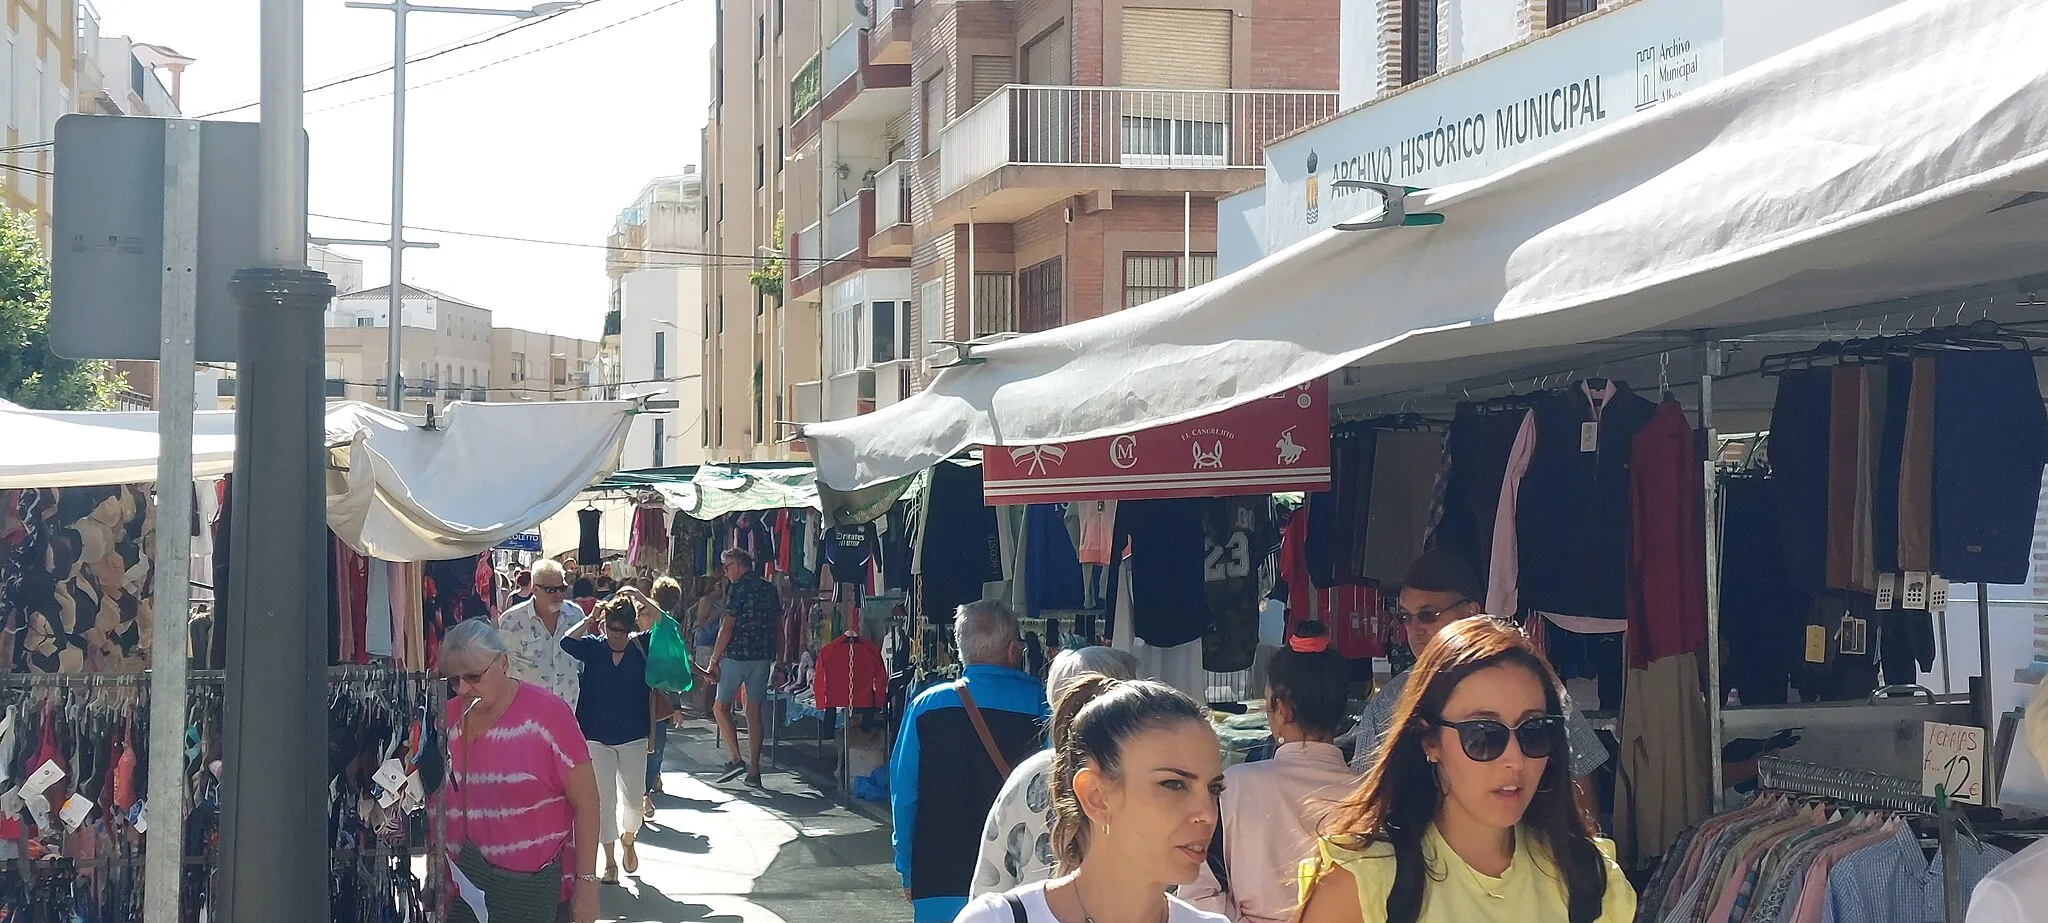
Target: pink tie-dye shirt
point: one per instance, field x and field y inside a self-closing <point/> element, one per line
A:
<point x="510" y="790"/>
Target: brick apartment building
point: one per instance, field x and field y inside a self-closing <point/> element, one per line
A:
<point x="950" y="170"/>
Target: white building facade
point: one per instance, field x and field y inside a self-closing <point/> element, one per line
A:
<point x="654" y="334"/>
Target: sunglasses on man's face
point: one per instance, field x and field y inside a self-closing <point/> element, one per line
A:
<point x="556" y="589"/>
<point x="1427" y="616"/>
<point x="1484" y="739"/>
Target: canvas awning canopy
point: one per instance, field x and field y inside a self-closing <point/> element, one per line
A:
<point x="396" y="490"/>
<point x="1894" y="165"/>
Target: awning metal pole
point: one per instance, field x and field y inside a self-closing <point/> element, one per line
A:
<point x="1712" y="518"/>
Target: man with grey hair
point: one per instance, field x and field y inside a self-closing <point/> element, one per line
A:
<point x="534" y="629"/>
<point x="957" y="745"/>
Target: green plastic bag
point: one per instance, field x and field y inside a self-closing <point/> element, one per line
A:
<point x="668" y="658"/>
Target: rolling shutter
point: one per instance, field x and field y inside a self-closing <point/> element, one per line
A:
<point x="991" y="73"/>
<point x="1176" y="48"/>
<point x="1048" y="59"/>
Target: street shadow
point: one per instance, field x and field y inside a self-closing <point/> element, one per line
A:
<point x="793" y="804"/>
<point x="681" y="841"/>
<point x="700" y="805"/>
<point x="652" y="906"/>
<point x="850" y="850"/>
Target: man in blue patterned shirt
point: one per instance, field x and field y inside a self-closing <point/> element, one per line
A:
<point x="741" y="659"/>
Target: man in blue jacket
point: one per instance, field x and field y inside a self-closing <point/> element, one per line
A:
<point x="948" y="767"/>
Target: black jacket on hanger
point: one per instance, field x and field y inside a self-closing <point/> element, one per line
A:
<point x="1572" y="516"/>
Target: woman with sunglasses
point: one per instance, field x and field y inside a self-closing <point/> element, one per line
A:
<point x="521" y="803"/>
<point x="614" y="713"/>
<point x="1440" y="588"/>
<point x="1467" y="817"/>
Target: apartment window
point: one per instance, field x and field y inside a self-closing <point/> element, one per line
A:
<point x="760" y="303"/>
<point x="760" y="36"/>
<point x="366" y="322"/>
<point x="721" y="201"/>
<point x="995" y="307"/>
<point x="845" y="345"/>
<point x="1176" y="48"/>
<point x="518" y="366"/>
<point x="760" y="166"/>
<point x="1148" y="276"/>
<point x="1418" y="39"/>
<point x="1040" y="297"/>
<point x="660" y="356"/>
<point x="781" y="153"/>
<point x="704" y="429"/>
<point x="561" y="370"/>
<point x="660" y="441"/>
<point x="778" y="18"/>
<point x="721" y="312"/>
<point x="990" y="72"/>
<point x="1564" y="11"/>
<point x="933" y="321"/>
<point x="718" y="55"/>
<point x="1048" y="59"/>
<point x="888" y="327"/>
<point x="760" y="406"/>
<point x="934" y="116"/>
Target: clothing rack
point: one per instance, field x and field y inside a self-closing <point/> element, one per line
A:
<point x="1875" y="789"/>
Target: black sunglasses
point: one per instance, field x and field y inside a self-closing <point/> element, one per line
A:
<point x="1427" y="616"/>
<point x="1484" y="739"/>
<point x="556" y="589"/>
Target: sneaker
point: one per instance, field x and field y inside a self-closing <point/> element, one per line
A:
<point x="754" y="781"/>
<point x="733" y="770"/>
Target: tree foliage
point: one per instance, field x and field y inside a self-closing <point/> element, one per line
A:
<point x="30" y="374"/>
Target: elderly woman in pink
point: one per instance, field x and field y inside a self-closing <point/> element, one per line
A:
<point x="521" y="799"/>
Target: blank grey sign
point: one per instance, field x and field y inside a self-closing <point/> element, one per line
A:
<point x="106" y="280"/>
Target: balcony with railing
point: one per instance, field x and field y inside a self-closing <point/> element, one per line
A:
<point x="843" y="236"/>
<point x="892" y="211"/>
<point x="1026" y="147"/>
<point x="837" y="247"/>
<point x="888" y="32"/>
<point x="806" y="252"/>
<point x="841" y="83"/>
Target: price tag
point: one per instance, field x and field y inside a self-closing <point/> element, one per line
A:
<point x="1915" y="594"/>
<point x="1887" y="591"/>
<point x="390" y="776"/>
<point x="1952" y="758"/>
<point x="76" y="809"/>
<point x="1855" y="636"/>
<point x="1589" y="436"/>
<point x="45" y="776"/>
<point x="1937" y="594"/>
<point x="1816" y="644"/>
<point x="39" y="810"/>
<point x="11" y="803"/>
<point x="413" y="795"/>
<point x="138" y="817"/>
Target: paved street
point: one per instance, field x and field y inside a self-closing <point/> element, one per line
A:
<point x="730" y="855"/>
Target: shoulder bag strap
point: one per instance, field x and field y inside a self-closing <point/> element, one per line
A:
<point x="1017" y="913"/>
<point x="988" y="740"/>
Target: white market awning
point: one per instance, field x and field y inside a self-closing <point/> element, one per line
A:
<point x="1901" y="156"/>
<point x="56" y="448"/>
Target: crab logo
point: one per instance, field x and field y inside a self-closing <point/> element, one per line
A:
<point x="1210" y="459"/>
<point x="1034" y="457"/>
<point x="1290" y="451"/>
<point x="1123" y="452"/>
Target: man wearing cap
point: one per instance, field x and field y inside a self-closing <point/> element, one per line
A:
<point x="1438" y="589"/>
<point x="2017" y="889"/>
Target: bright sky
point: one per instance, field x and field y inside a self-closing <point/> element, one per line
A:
<point x="548" y="146"/>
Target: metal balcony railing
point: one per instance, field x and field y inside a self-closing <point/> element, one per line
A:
<point x="479" y="395"/>
<point x="892" y="195"/>
<point x="1122" y="127"/>
<point x="842" y="59"/>
<point x="842" y="228"/>
<point x="809" y="249"/>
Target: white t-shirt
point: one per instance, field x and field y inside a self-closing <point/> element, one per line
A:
<point x="993" y="908"/>
<point x="2014" y="892"/>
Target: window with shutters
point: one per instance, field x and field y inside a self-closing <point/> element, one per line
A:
<point x="991" y="73"/>
<point x="995" y="306"/>
<point x="933" y="300"/>
<point x="1418" y="40"/>
<point x="1150" y="276"/>
<point x="1048" y="59"/>
<point x="1175" y="48"/>
<point x="660" y="440"/>
<point x="846" y="318"/>
<point x="1041" y="303"/>
<point x="934" y="116"/>
<point x="1564" y="11"/>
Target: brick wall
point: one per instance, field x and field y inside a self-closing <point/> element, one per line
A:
<point x="1293" y="45"/>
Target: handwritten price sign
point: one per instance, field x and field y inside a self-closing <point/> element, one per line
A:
<point x="1952" y="758"/>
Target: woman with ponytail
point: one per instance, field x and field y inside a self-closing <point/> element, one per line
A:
<point x="1468" y="815"/>
<point x="1273" y="809"/>
<point x="1135" y="774"/>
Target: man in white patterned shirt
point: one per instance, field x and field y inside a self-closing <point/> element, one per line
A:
<point x="533" y="633"/>
<point x="1438" y="589"/>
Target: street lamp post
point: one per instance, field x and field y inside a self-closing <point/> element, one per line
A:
<point x="394" y="376"/>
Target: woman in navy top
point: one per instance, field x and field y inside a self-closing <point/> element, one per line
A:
<point x="613" y="711"/>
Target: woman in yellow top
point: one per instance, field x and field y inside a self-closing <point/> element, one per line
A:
<point x="1465" y="817"/>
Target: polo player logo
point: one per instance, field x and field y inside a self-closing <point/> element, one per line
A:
<point x="1210" y="459"/>
<point x="1034" y="457"/>
<point x="1290" y="451"/>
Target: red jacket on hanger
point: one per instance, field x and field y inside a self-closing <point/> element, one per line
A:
<point x="850" y="674"/>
